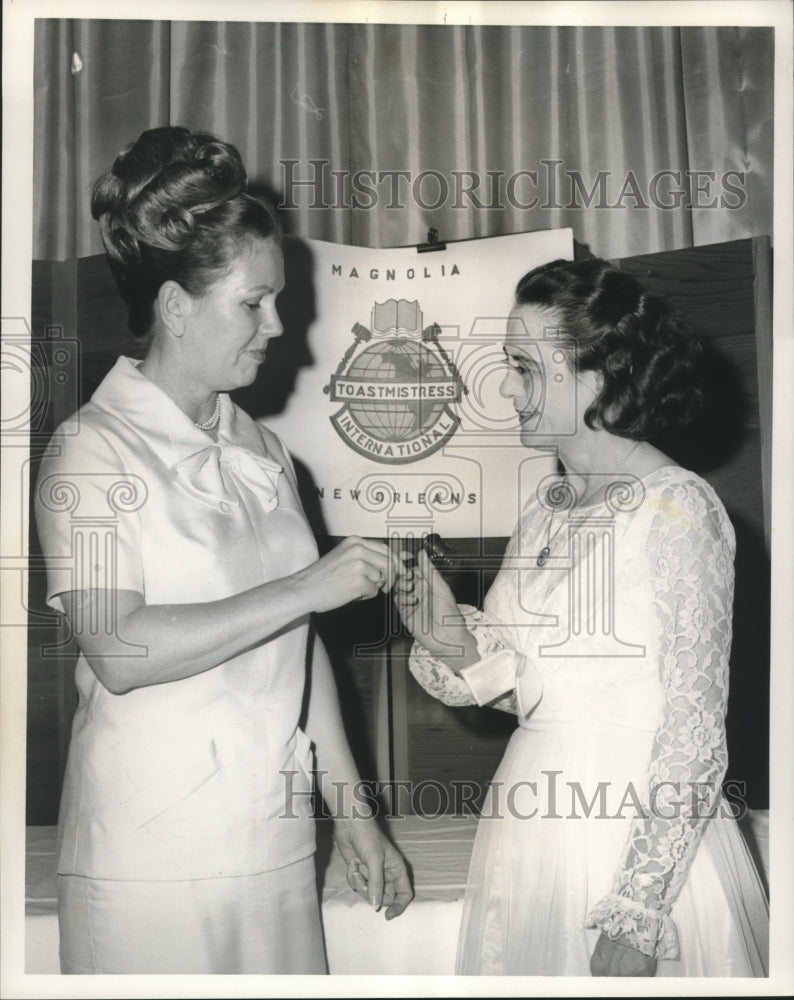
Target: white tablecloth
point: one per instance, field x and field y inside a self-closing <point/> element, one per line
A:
<point x="359" y="941"/>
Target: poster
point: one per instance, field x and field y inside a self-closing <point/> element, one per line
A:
<point x="409" y="432"/>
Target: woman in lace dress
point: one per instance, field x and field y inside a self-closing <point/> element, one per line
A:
<point x="605" y="845"/>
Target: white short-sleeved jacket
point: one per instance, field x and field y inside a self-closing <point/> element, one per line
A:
<point x="206" y="776"/>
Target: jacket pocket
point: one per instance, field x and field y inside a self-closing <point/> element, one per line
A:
<point x="304" y="755"/>
<point x="184" y="773"/>
<point x="299" y="779"/>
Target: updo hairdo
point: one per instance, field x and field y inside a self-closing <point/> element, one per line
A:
<point x="174" y="207"/>
<point x="651" y="361"/>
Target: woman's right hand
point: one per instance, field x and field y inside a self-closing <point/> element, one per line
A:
<point x="353" y="571"/>
<point x="431" y="614"/>
<point x="182" y="640"/>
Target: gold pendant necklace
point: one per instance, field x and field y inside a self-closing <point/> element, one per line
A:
<point x="543" y="555"/>
<point x="567" y="490"/>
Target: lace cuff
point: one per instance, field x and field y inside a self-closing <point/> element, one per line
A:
<point x="441" y="681"/>
<point x="650" y="931"/>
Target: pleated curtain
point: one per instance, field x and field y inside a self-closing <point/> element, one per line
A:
<point x="476" y="131"/>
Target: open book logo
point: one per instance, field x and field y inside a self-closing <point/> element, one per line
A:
<point x="396" y="383"/>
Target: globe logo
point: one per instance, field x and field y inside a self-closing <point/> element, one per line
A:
<point x="398" y="389"/>
<point x="397" y="361"/>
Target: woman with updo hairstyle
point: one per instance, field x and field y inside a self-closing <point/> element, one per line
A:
<point x="180" y="555"/>
<point x="605" y="844"/>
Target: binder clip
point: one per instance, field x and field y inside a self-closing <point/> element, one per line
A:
<point x="433" y="242"/>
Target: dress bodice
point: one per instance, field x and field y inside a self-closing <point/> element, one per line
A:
<point x="588" y="617"/>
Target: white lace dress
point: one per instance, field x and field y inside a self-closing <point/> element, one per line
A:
<point x="606" y="814"/>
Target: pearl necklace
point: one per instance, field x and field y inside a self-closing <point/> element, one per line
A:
<point x="212" y="423"/>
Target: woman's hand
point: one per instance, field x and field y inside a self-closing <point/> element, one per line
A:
<point x="430" y="612"/>
<point x="375" y="868"/>
<point x="612" y="958"/>
<point x="355" y="570"/>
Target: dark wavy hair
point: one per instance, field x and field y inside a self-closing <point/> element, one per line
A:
<point x="173" y="207"/>
<point x="651" y="360"/>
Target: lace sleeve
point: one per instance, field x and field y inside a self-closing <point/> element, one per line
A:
<point x="690" y="548"/>
<point x="442" y="682"/>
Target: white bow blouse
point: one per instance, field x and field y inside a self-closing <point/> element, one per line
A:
<point x="208" y="775"/>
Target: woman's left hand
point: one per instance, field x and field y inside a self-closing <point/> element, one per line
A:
<point x="429" y="611"/>
<point x="375" y="868"/>
<point x="612" y="958"/>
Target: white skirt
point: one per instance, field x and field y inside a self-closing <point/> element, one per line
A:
<point x="534" y="878"/>
<point x="254" y="924"/>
